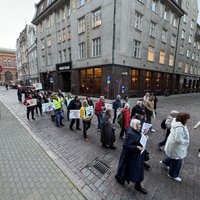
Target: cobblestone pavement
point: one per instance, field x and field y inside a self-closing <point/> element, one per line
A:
<point x="78" y="159"/>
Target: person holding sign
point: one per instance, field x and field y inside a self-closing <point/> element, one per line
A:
<point x="30" y="108"/>
<point x="86" y="118"/>
<point x="131" y="163"/>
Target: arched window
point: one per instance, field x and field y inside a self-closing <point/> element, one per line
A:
<point x="8" y="76"/>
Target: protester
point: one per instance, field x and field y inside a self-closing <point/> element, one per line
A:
<point x="146" y="97"/>
<point x="38" y="106"/>
<point x="86" y="119"/>
<point x="19" y="94"/>
<point x="149" y="108"/>
<point x="29" y="108"/>
<point x="90" y="102"/>
<point x="177" y="145"/>
<point x="168" y="122"/>
<point x="126" y="120"/>
<point x="125" y="100"/>
<point x="116" y="106"/>
<point x="131" y="163"/>
<point x="99" y="109"/>
<point x="107" y="131"/>
<point x="137" y="108"/>
<point x="58" y="111"/>
<point x="75" y="104"/>
<point x="67" y="100"/>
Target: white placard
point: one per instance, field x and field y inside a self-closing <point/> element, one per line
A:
<point x="46" y="107"/>
<point x="145" y="128"/>
<point x="108" y="106"/>
<point x="37" y="86"/>
<point x="143" y="142"/>
<point x="31" y="102"/>
<point x="74" y="114"/>
<point x="89" y="111"/>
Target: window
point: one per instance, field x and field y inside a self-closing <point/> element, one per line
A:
<point x="198" y="45"/>
<point x="171" y="60"/>
<point x="48" y="41"/>
<point x="96" y="18"/>
<point x="191" y="69"/>
<point x="164" y="35"/>
<point x="190" y="39"/>
<point x="9" y="62"/>
<point x="59" y="36"/>
<point x="162" y="57"/>
<point x="138" y="21"/>
<point x="173" y="40"/>
<point x="185" y="18"/>
<point x="175" y="21"/>
<point x="43" y="60"/>
<point x="96" y="47"/>
<point x="186" y="70"/>
<point x="181" y="49"/>
<point x="42" y="43"/>
<point x="148" y="80"/>
<point x="136" y="49"/>
<point x="64" y="35"/>
<point x="192" y="24"/>
<point x="49" y="2"/>
<point x="81" y="25"/>
<point x="64" y="55"/>
<point x="183" y="34"/>
<point x="49" y="59"/>
<point x="195" y="44"/>
<point x="197" y="58"/>
<point x="68" y="10"/>
<point x="59" y="56"/>
<point x="180" y="64"/>
<point x="188" y="53"/>
<point x="193" y="56"/>
<point x="48" y="23"/>
<point x="150" y="55"/>
<point x="153" y="29"/>
<point x="154" y="6"/>
<point x="161" y="10"/>
<point x="5" y="63"/>
<point x="134" y="79"/>
<point x="166" y="14"/>
<point x="81" y="50"/>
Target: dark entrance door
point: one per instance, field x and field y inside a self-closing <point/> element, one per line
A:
<point x="66" y="81"/>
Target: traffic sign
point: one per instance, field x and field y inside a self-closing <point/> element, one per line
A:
<point x="108" y="79"/>
<point x="1" y="68"/>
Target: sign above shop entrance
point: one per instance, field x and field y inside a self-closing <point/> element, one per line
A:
<point x="64" y="66"/>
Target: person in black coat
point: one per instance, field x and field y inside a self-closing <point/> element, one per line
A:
<point x="75" y="104"/>
<point x="137" y="108"/>
<point x="131" y="163"/>
<point x="116" y="105"/>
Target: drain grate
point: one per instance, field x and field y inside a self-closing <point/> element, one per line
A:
<point x="100" y="166"/>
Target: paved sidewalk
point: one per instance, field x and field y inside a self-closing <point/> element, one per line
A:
<point x="26" y="171"/>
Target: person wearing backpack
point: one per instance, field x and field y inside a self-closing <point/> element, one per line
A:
<point x="116" y="105"/>
<point x="166" y="126"/>
<point x="125" y="120"/>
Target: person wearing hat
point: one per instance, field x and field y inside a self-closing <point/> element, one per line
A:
<point x="168" y="122"/>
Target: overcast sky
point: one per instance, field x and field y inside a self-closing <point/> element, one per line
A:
<point x="14" y="15"/>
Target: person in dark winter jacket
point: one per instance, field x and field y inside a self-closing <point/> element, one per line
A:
<point x="116" y="105"/>
<point x="131" y="163"/>
<point x="90" y="102"/>
<point x="107" y="131"/>
<point x="75" y="104"/>
<point x="137" y="108"/>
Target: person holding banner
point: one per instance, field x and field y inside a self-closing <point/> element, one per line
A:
<point x="86" y="117"/>
<point x="131" y="163"/>
<point x="58" y="111"/>
<point x="75" y="104"/>
<point x="30" y="108"/>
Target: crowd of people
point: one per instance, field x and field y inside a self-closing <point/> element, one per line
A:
<point x="134" y="156"/>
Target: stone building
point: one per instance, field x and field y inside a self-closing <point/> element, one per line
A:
<point x="8" y="63"/>
<point x="118" y="46"/>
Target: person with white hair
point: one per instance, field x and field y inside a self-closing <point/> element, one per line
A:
<point x="116" y="105"/>
<point x="125" y="119"/>
<point x="131" y="163"/>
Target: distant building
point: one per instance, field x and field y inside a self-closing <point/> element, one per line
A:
<point x="118" y="47"/>
<point x="8" y="62"/>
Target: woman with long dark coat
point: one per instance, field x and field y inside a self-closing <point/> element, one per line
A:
<point x="131" y="163"/>
<point x="107" y="131"/>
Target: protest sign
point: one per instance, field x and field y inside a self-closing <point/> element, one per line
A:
<point x="46" y="107"/>
<point x="74" y="114"/>
<point x="37" y="86"/>
<point x="108" y="106"/>
<point x="89" y="111"/>
<point x="31" y="102"/>
<point x="145" y="128"/>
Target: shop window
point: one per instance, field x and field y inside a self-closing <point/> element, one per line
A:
<point x="148" y="78"/>
<point x="158" y="81"/>
<point x="134" y="79"/>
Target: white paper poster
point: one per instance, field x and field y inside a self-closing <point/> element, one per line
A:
<point x="37" y="86"/>
<point x="74" y="114"/>
<point x="31" y="102"/>
<point x="46" y="107"/>
<point x="145" y="128"/>
<point x="143" y="142"/>
<point x="108" y="106"/>
<point x="89" y="111"/>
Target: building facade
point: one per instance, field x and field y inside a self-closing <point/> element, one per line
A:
<point x="8" y="63"/>
<point x="118" y="46"/>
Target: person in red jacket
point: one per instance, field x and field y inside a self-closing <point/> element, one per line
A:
<point x="29" y="108"/>
<point x="99" y="108"/>
<point x="126" y="119"/>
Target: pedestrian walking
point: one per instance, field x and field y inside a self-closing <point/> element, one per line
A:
<point x="107" y="131"/>
<point x="125" y="100"/>
<point x="131" y="163"/>
<point x="138" y="108"/>
<point x="116" y="106"/>
<point x="99" y="109"/>
<point x="86" y="119"/>
<point x="177" y="145"/>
